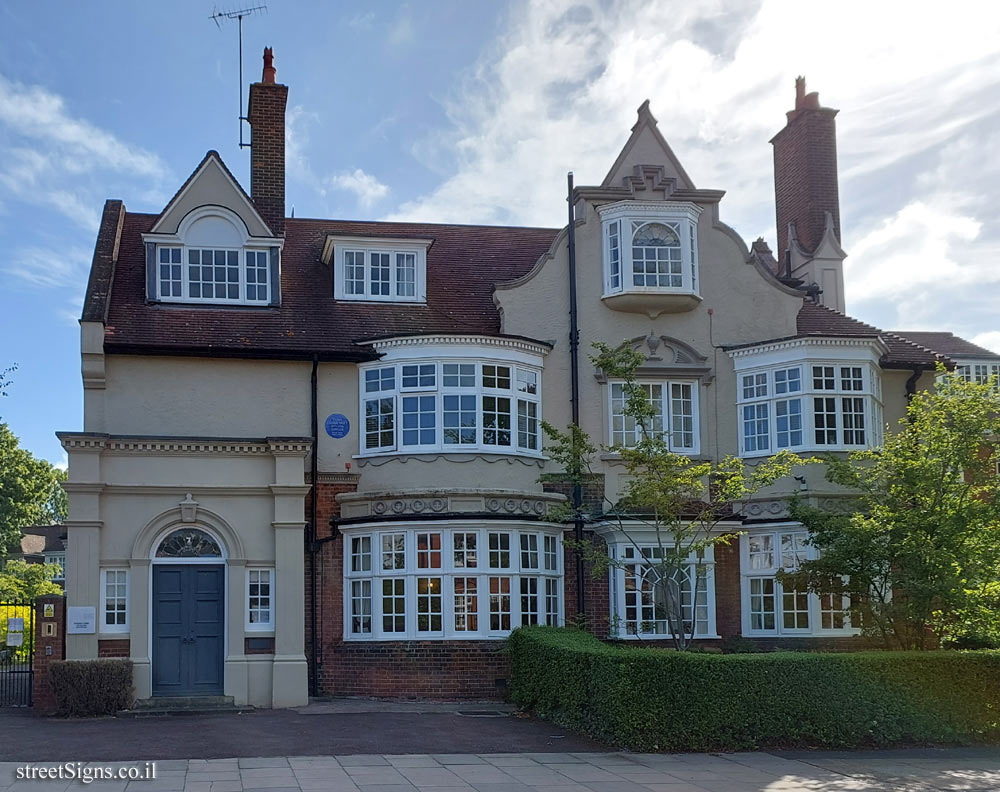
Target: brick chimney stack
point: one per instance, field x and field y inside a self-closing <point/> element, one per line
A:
<point x="266" y="114"/>
<point x="805" y="173"/>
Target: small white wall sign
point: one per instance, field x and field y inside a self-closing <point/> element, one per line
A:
<point x="81" y="619"/>
<point x="15" y="639"/>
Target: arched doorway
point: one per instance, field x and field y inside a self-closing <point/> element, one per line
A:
<point x="188" y="613"/>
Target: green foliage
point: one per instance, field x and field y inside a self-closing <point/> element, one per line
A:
<point x="90" y="688"/>
<point x="975" y="622"/>
<point x="749" y="701"/>
<point x="22" y="582"/>
<point x="5" y="378"/>
<point x="29" y="491"/>
<point x="687" y="505"/>
<point x="925" y="536"/>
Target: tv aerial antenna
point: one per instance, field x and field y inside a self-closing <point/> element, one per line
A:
<point x="228" y="16"/>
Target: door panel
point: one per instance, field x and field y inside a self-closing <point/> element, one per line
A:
<point x="188" y="623"/>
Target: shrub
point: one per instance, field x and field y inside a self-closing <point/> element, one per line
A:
<point x="651" y="699"/>
<point x="88" y="688"/>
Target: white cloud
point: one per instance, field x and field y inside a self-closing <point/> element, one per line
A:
<point x="990" y="340"/>
<point x="559" y="88"/>
<point x="49" y="267"/>
<point x="403" y="30"/>
<point x="368" y="189"/>
<point x="50" y="158"/>
<point x="40" y="115"/>
<point x="361" y="21"/>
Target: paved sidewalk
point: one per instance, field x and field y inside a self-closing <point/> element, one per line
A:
<point x="919" y="770"/>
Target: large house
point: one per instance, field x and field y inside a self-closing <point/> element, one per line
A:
<point x="311" y="459"/>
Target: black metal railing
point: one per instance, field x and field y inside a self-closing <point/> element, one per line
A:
<point x="17" y="653"/>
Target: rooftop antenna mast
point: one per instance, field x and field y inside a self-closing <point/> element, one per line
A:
<point x="222" y="16"/>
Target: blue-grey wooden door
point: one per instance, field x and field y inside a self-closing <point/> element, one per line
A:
<point x="188" y="623"/>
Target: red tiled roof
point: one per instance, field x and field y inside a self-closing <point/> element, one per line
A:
<point x="947" y="344"/>
<point x="819" y="320"/>
<point x="463" y="264"/>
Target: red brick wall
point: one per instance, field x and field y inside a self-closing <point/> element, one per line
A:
<point x="596" y="592"/>
<point x="727" y="589"/>
<point x="114" y="647"/>
<point x="429" y="669"/>
<point x="48" y="649"/>
<point x="805" y="178"/>
<point x="425" y="669"/>
<point x="266" y="111"/>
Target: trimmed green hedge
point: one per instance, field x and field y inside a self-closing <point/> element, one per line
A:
<point x="659" y="700"/>
<point x="87" y="688"/>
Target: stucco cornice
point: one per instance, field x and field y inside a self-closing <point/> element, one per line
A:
<point x="809" y="342"/>
<point x="145" y="446"/>
<point x="503" y="342"/>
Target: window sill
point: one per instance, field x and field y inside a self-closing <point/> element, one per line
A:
<point x="611" y="456"/>
<point x="113" y="636"/>
<point x="466" y="452"/>
<point x="665" y="637"/>
<point x="812" y="635"/>
<point x="368" y="300"/>
<point x="652" y="303"/>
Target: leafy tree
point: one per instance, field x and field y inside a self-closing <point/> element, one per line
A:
<point x="683" y="503"/>
<point x="921" y="548"/>
<point x="22" y="582"/>
<point x="29" y="491"/>
<point x="5" y="378"/>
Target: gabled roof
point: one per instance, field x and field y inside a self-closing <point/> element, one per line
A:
<point x="947" y="344"/>
<point x="241" y="203"/>
<point x="463" y="264"/>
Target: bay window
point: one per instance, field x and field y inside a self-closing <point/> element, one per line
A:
<point x="451" y="406"/>
<point x="809" y="405"/>
<point x="432" y="582"/>
<point x="650" y="247"/>
<point x="773" y="608"/>
<point x="639" y="605"/>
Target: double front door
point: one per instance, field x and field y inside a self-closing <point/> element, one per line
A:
<point x="188" y="629"/>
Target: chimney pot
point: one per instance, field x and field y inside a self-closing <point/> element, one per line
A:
<point x="800" y="92"/>
<point x="269" y="71"/>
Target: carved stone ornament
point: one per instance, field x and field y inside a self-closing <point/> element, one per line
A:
<point x="189" y="509"/>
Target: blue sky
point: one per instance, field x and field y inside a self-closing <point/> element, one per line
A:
<point x="473" y="112"/>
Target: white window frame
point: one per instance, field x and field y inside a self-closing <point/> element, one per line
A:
<point x="815" y="628"/>
<point x="238" y="241"/>
<point x="60" y="560"/>
<point x="336" y="248"/>
<point x="266" y="627"/>
<point x="666" y="411"/>
<point x="104" y="627"/>
<point x="617" y="547"/>
<point x="765" y="394"/>
<point x="439" y="391"/>
<point x="447" y="573"/>
<point x="621" y="216"/>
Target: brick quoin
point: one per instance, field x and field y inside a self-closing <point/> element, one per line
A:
<point x="805" y="172"/>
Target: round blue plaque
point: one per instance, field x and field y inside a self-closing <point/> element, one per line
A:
<point x="337" y="425"/>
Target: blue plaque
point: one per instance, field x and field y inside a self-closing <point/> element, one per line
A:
<point x="337" y="425"/>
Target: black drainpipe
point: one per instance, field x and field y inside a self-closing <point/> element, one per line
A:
<point x="311" y="538"/>
<point x="574" y="365"/>
<point x="911" y="383"/>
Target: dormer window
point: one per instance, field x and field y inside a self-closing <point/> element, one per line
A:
<point x="212" y="259"/>
<point x="378" y="270"/>
<point x="650" y="256"/>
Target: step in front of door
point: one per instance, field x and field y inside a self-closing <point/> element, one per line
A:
<point x="182" y="705"/>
